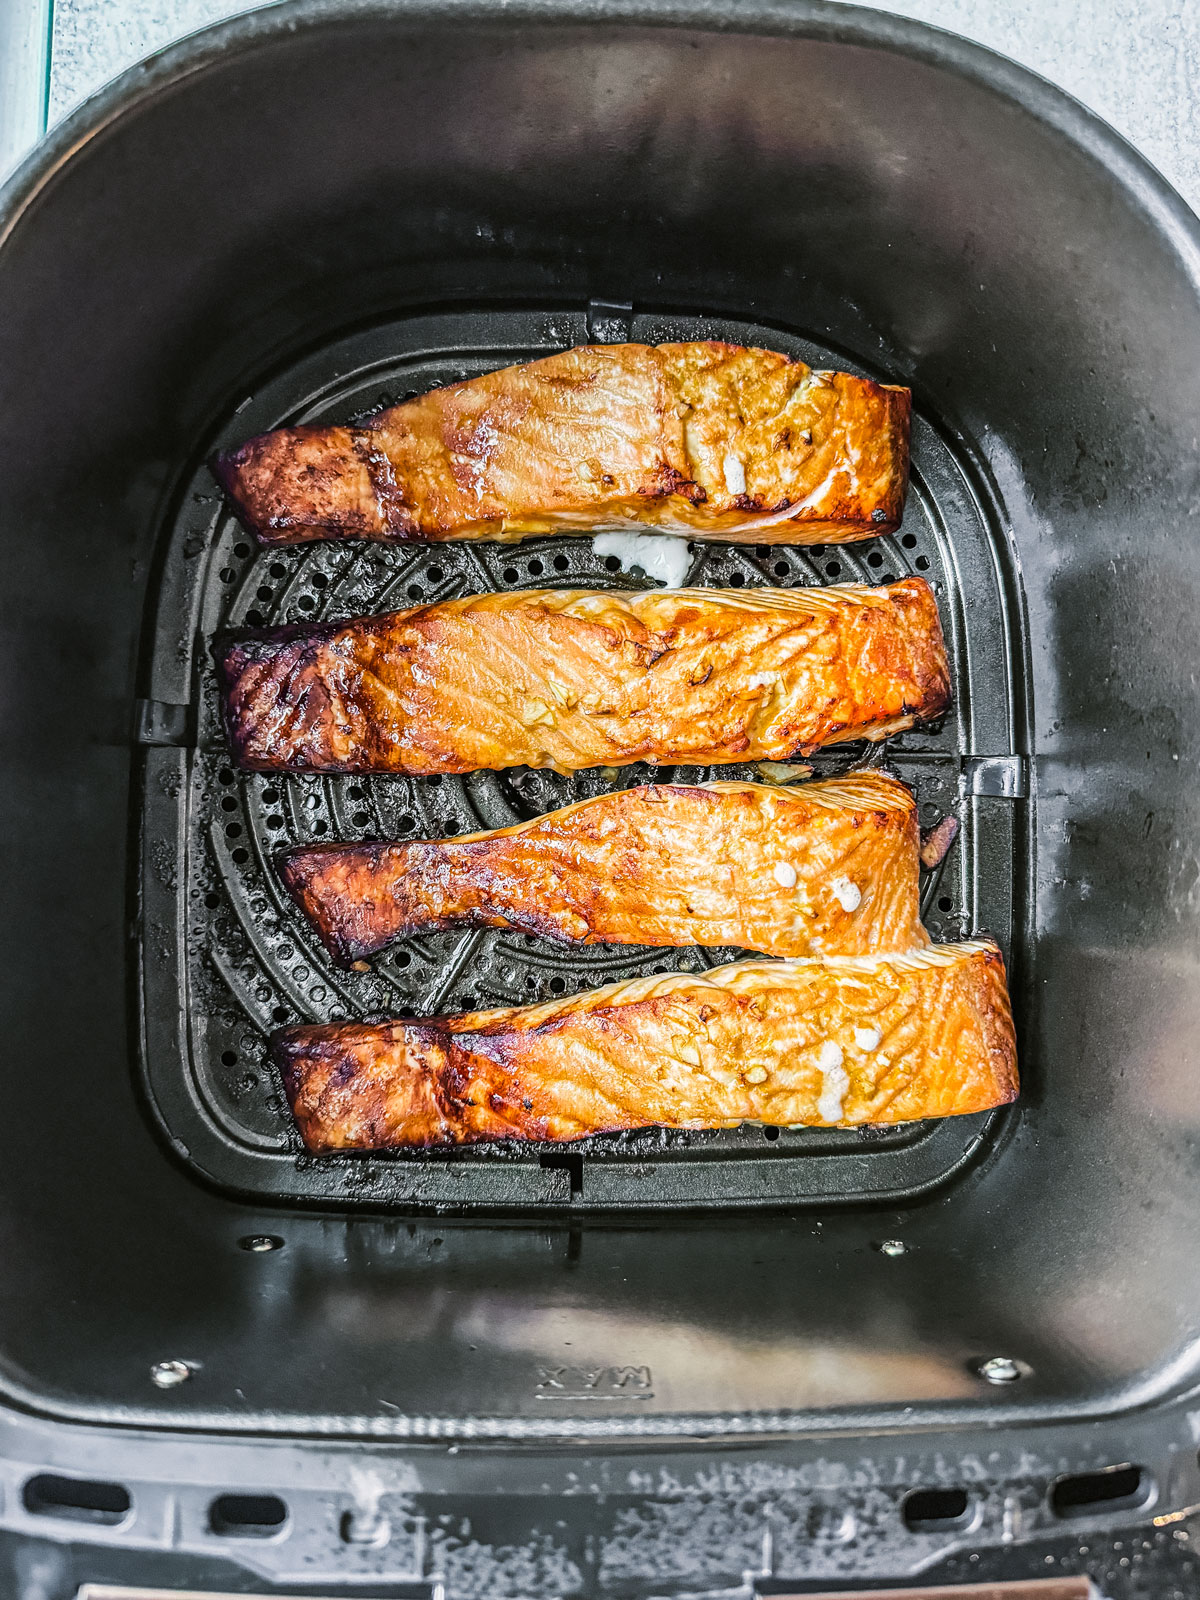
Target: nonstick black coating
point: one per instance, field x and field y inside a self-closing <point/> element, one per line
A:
<point x="878" y="189"/>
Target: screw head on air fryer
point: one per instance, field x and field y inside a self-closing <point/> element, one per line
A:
<point x="169" y="1374"/>
<point x="999" y="1369"/>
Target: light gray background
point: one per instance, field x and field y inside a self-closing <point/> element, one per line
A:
<point x="1136" y="62"/>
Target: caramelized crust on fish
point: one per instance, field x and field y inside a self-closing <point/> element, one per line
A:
<point x="711" y="440"/>
<point x="579" y="678"/>
<point x="827" y="867"/>
<point x="837" y="1041"/>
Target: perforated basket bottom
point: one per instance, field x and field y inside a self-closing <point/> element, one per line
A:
<point x="225" y="955"/>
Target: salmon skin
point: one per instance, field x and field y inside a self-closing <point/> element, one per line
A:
<point x="824" y="867"/>
<point x="570" y="679"/>
<point x="709" y="440"/>
<point x="837" y="1041"/>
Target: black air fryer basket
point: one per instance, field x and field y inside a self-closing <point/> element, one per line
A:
<point x="737" y="1363"/>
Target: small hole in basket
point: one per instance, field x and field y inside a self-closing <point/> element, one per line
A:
<point x="782" y="569"/>
<point x="280" y="1014"/>
<point x="255" y="619"/>
<point x="360" y="819"/>
<point x="277" y="569"/>
<point x="834" y="569"/>
<point x="922" y="563"/>
<point x="212" y="901"/>
<point x="263" y="593"/>
<point x="511" y="574"/>
<point x="274" y="822"/>
<point x="908" y="540"/>
<point x="561" y="563"/>
<point x="434" y="781"/>
<point x="270" y="796"/>
<point x="232" y="830"/>
<point x="228" y="803"/>
<point x="406" y="824"/>
<point x="435" y="574"/>
<point x="945" y="903"/>
<point x="225" y="775"/>
<point x="356" y="792"/>
<point x="887" y="577"/>
<point x="536" y="569"/>
<point x="320" y="826"/>
<point x="736" y="580"/>
<point x="771" y="1133"/>
<point x="229" y="1058"/>
<point x="241" y="551"/>
<point x="450" y="828"/>
<point x="319" y="580"/>
<point x="306" y="602"/>
<point x="403" y="959"/>
<point x="227" y="574"/>
<point x="241" y="855"/>
<point x="874" y="559"/>
<point x="558" y="985"/>
<point x="816" y="550"/>
<point x="611" y="564"/>
<point x="415" y="592"/>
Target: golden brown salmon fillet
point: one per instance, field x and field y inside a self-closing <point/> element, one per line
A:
<point x="583" y="678"/>
<point x="834" y="1041"/>
<point x="714" y="441"/>
<point x="828" y="867"/>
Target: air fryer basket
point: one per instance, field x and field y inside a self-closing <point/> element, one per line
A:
<point x="244" y="959"/>
<point x="653" y="1366"/>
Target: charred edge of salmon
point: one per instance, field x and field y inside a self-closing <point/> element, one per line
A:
<point x="236" y="650"/>
<point x="297" y="1052"/>
<point x="226" y="468"/>
<point x="297" y="484"/>
<point x="295" y="869"/>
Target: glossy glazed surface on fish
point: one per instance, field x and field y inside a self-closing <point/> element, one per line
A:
<point x="715" y="441"/>
<point x="826" y="867"/>
<point x="570" y="679"/>
<point x="838" y="1041"/>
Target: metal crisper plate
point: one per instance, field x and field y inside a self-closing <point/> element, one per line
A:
<point x="226" y="957"/>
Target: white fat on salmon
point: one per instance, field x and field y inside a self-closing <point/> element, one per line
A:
<point x="848" y="895"/>
<point x="660" y="555"/>
<point x="835" y="1082"/>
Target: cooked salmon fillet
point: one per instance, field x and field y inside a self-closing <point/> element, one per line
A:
<point x="580" y="678"/>
<point x="825" y="867"/>
<point x="839" y="1041"/>
<point x="710" y="440"/>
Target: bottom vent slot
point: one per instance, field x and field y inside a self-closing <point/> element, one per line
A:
<point x="936" y="1510"/>
<point x="247" y="1516"/>
<point x="81" y="1499"/>
<point x="1082" y="1494"/>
